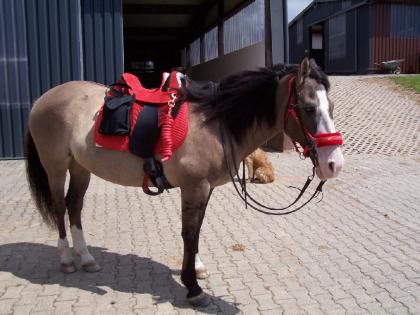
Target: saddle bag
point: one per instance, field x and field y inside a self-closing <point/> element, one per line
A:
<point x="116" y="115"/>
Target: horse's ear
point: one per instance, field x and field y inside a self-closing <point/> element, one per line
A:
<point x="304" y="70"/>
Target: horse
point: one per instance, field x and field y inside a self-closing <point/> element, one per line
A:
<point x="247" y="109"/>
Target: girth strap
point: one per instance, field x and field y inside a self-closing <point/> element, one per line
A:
<point x="142" y="143"/>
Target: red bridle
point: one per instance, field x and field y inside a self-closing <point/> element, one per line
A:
<point x="312" y="142"/>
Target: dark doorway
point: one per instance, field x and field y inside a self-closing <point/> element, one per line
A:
<point x="317" y="44"/>
<point x="155" y="32"/>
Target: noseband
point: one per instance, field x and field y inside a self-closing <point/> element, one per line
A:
<point x="312" y="142"/>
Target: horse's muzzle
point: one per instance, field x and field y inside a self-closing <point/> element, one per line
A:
<point x="330" y="161"/>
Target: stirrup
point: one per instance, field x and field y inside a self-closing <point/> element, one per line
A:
<point x="153" y="171"/>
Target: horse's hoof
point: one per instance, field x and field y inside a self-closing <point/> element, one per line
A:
<point x="200" y="300"/>
<point x="201" y="273"/>
<point x="68" y="268"/>
<point x="91" y="267"/>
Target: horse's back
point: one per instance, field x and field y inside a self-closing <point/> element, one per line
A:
<point x="64" y="100"/>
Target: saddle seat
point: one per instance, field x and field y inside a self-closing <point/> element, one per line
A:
<point x="171" y="83"/>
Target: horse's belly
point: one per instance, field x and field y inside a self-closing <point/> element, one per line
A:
<point x="115" y="166"/>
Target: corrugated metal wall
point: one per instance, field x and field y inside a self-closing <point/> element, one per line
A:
<point x="53" y="41"/>
<point x="44" y="43"/>
<point x="406" y="42"/>
<point x="364" y="32"/>
<point x="15" y="98"/>
<point x="102" y="40"/>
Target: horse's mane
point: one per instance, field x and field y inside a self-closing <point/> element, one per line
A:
<point x="240" y="100"/>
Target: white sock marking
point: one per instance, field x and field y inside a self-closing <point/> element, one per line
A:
<point x="79" y="245"/>
<point x="199" y="264"/>
<point x="64" y="250"/>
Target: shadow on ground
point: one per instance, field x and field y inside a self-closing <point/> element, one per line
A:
<point x="130" y="273"/>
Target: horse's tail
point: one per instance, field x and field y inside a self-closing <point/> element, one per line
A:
<point x="38" y="183"/>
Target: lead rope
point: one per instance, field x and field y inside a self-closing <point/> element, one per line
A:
<point x="244" y="195"/>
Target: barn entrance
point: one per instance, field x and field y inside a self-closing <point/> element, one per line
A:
<point x="155" y="32"/>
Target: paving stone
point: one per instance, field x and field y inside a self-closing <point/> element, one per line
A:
<point x="6" y="306"/>
<point x="63" y="307"/>
<point x="22" y="309"/>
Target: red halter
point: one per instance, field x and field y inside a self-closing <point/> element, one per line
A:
<point x="312" y="142"/>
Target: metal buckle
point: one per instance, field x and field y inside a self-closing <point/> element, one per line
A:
<point x="171" y="102"/>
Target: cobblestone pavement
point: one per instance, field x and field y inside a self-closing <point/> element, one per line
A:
<point x="355" y="252"/>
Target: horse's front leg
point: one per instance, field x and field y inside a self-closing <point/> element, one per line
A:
<point x="194" y="201"/>
<point x="201" y="270"/>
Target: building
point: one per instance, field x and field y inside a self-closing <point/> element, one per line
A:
<point x="44" y="43"/>
<point x="351" y="36"/>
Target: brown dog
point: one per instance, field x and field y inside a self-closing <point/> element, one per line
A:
<point x="259" y="167"/>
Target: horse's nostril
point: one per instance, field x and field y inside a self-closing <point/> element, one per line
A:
<point x="331" y="165"/>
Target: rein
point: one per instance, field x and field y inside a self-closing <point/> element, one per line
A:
<point x="309" y="150"/>
<point x="254" y="204"/>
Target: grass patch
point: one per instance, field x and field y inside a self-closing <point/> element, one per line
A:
<point x="410" y="82"/>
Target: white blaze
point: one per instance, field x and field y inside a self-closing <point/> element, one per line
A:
<point x="326" y="125"/>
<point x="330" y="157"/>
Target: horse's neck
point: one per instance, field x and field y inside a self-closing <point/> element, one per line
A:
<point x="254" y="139"/>
<point x="259" y="135"/>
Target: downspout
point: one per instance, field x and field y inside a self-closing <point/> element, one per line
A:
<point x="356" y="59"/>
<point x="286" y="33"/>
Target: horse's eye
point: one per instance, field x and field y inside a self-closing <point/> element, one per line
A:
<point x="309" y="109"/>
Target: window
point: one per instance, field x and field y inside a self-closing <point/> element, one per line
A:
<point x="195" y="52"/>
<point x="405" y="21"/>
<point x="337" y="37"/>
<point x="211" y="45"/>
<point x="245" y="28"/>
<point x="316" y="40"/>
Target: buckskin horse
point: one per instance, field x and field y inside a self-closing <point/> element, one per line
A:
<point x="236" y="115"/>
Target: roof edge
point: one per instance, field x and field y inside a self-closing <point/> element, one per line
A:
<point x="308" y="7"/>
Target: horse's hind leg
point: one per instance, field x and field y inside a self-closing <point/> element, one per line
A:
<point x="79" y="182"/>
<point x="56" y="181"/>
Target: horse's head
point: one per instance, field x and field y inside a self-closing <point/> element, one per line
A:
<point x="309" y="119"/>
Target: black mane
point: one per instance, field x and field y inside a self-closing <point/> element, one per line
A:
<point x="240" y="100"/>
